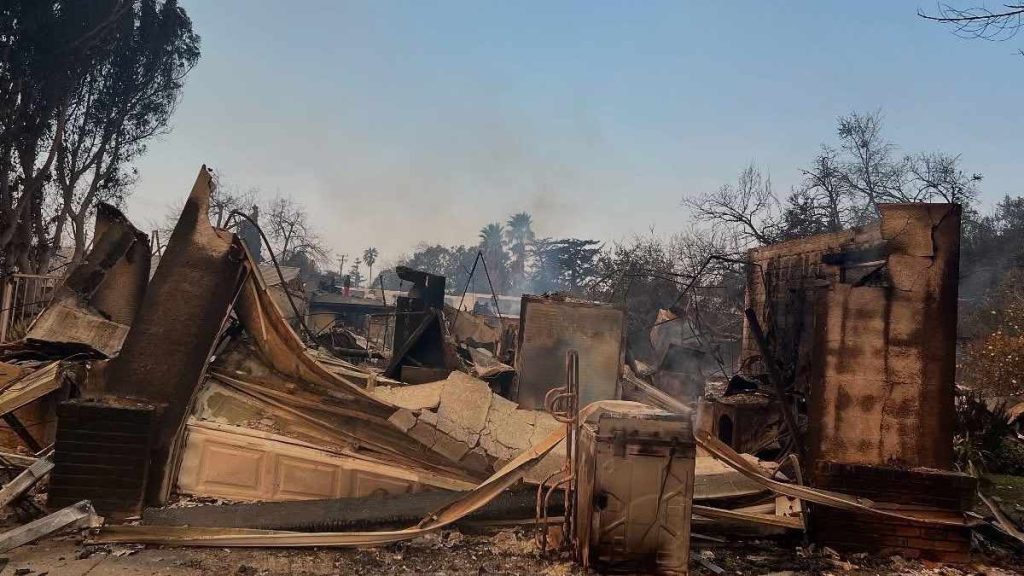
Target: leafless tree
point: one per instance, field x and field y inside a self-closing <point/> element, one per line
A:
<point x="980" y="21"/>
<point x="286" y="224"/>
<point x="939" y="176"/>
<point x="871" y="170"/>
<point x="749" y="207"/>
<point x="824" y="194"/>
<point x="842" y="188"/>
<point x="226" y="198"/>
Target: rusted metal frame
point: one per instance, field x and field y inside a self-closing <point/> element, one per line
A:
<point x="494" y="295"/>
<point x="469" y="282"/>
<point x="544" y="520"/>
<point x="540" y="528"/>
<point x="14" y="308"/>
<point x="778" y="382"/>
<point x="569" y="415"/>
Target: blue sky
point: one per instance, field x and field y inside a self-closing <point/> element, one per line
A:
<point x="404" y="122"/>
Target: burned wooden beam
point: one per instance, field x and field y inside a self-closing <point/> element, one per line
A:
<point x="80" y="515"/>
<point x="24" y="481"/>
<point x="23" y="434"/>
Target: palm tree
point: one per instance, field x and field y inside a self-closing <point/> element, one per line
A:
<point x="520" y="237"/>
<point x="370" y="256"/>
<point x="493" y="247"/>
<point x="492" y="237"/>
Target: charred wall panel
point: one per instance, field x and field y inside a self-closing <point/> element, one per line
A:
<point x="548" y="329"/>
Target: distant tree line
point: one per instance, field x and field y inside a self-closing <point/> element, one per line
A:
<point x="514" y="260"/>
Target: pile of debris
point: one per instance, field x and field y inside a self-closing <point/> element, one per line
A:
<point x="189" y="402"/>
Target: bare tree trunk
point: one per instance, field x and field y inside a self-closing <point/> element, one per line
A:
<point x="30" y="201"/>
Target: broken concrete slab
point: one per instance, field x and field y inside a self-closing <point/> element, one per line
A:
<point x="403" y="419"/>
<point x="417" y="397"/>
<point x="464" y="402"/>
<point x="450" y="447"/>
<point x="472" y="426"/>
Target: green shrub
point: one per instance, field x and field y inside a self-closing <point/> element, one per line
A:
<point x="1008" y="457"/>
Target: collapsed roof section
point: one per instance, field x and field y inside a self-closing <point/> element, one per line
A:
<point x="98" y="301"/>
